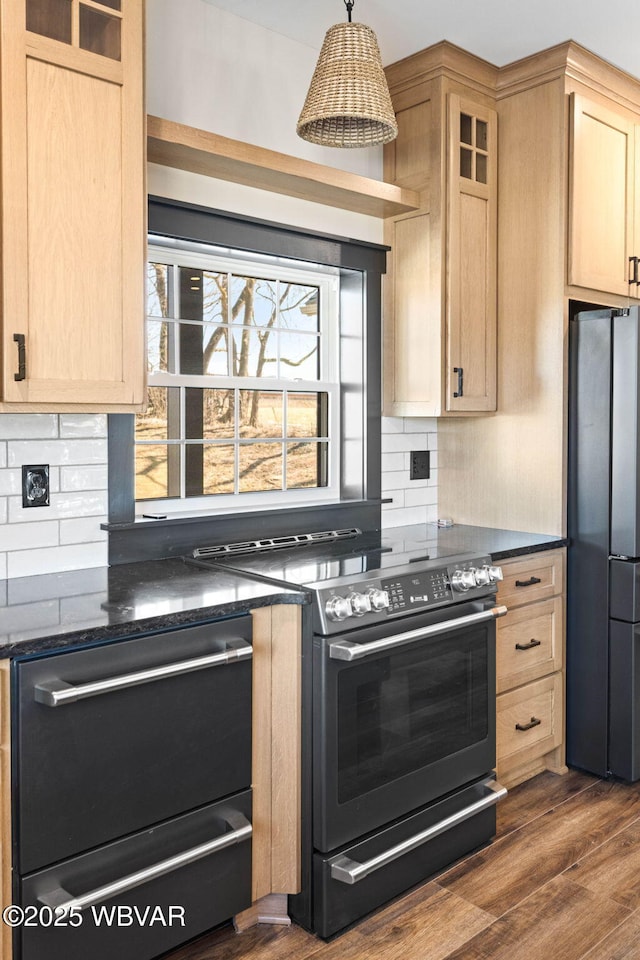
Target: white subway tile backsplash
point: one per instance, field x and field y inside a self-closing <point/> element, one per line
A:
<point x="3" y="455"/>
<point x="25" y="563"/>
<point x="84" y="478"/>
<point x="39" y="614"/>
<point x="57" y="452"/>
<point x="404" y="516"/>
<point x="3" y="566"/>
<point x="414" y="501"/>
<point x="397" y="496"/>
<point x="394" y="461"/>
<point x="63" y="506"/>
<point x="392" y="425"/>
<point x="22" y="426"/>
<point x="4" y="509"/>
<point x="30" y="536"/>
<point x="85" y="530"/>
<point x="420" y="425"/>
<point x="399" y="442"/>
<point x="83" y="425"/>
<point x="420" y="497"/>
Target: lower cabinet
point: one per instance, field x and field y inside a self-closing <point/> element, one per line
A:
<point x="530" y="667"/>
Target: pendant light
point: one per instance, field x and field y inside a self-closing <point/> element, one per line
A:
<point x="348" y="103"/>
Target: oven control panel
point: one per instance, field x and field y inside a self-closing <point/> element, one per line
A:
<point x="404" y="592"/>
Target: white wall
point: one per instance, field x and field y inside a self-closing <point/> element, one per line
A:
<point x="210" y="69"/>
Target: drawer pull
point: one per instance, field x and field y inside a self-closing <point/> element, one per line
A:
<point x="528" y="583"/>
<point x="534" y="722"/>
<point x="351" y="871"/>
<point x="62" y="902"/>
<point x="56" y="693"/>
<point x="529" y="646"/>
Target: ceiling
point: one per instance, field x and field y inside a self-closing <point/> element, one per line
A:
<point x="497" y="30"/>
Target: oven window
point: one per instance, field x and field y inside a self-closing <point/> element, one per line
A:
<point x="401" y="712"/>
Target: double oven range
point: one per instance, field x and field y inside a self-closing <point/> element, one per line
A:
<point x="398" y="712"/>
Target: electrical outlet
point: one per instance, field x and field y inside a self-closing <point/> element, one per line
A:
<point x="420" y="468"/>
<point x="35" y="485"/>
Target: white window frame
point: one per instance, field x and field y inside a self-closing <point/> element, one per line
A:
<point x="214" y="259"/>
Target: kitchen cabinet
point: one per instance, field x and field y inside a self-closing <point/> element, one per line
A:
<point x="440" y="290"/>
<point x="604" y="204"/>
<point x="73" y="205"/>
<point x="530" y="667"/>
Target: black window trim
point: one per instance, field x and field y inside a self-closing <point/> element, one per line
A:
<point x="131" y="540"/>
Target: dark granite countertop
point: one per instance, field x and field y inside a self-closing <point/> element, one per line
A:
<point x="462" y="538"/>
<point x="54" y="612"/>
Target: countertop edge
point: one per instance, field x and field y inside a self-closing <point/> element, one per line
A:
<point x="532" y="548"/>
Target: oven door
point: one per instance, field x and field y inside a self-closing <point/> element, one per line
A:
<point x="404" y="713"/>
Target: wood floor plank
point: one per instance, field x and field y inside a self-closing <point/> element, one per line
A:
<point x="614" y="868"/>
<point x="500" y="876"/>
<point x="426" y="925"/>
<point x="622" y="944"/>
<point x="263" y="941"/>
<point x="561" y="920"/>
<point x="535" y="797"/>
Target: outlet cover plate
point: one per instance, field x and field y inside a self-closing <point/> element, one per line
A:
<point x="35" y="485"/>
<point x="420" y="465"/>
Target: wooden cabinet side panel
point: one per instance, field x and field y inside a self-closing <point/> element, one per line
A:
<point x="286" y="749"/>
<point x="261" y="754"/>
<point x="601" y="196"/>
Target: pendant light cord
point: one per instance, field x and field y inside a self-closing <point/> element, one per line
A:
<point x="349" y="5"/>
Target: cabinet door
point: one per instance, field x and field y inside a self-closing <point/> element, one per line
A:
<point x="601" y="198"/>
<point x="471" y="263"/>
<point x="73" y="230"/>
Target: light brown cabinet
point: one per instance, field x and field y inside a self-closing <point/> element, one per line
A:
<point x="73" y="204"/>
<point x="604" y="203"/>
<point x="440" y="290"/>
<point x="530" y="667"/>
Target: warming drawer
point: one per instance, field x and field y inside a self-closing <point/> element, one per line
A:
<point x="116" y="738"/>
<point x="138" y="897"/>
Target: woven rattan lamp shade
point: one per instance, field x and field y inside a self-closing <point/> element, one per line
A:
<point x="348" y="103"/>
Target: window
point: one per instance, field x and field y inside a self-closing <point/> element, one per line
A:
<point x="243" y="373"/>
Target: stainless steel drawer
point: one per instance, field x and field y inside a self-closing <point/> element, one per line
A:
<point x="112" y="739"/>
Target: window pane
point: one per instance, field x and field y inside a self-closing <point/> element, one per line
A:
<point x="299" y="307"/>
<point x="254" y="353"/>
<point x="260" y="413"/>
<point x="253" y="302"/>
<point x="481" y="168"/>
<point x="215" y="295"/>
<point x="260" y="467"/>
<point x="152" y="471"/>
<point x="465" y="163"/>
<point x="210" y="414"/>
<point x="306" y="465"/>
<point x="481" y="134"/>
<point x="159" y="346"/>
<point x="50" y="18"/>
<point x="299" y="356"/>
<point x="157" y="290"/>
<point x="307" y="414"/>
<point x="161" y="421"/>
<point x="99" y="33"/>
<point x="466" y="127"/>
<point x="203" y="349"/>
<point x="218" y="468"/>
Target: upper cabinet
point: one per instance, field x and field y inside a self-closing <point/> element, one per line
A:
<point x="73" y="204"/>
<point x="440" y="291"/>
<point x="604" y="225"/>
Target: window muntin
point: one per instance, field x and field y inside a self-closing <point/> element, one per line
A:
<point x="243" y="383"/>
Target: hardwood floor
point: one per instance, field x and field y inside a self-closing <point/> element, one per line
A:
<point x="562" y="879"/>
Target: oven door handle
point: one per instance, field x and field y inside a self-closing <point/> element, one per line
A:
<point x="351" y="871"/>
<point x="347" y="650"/>
<point x="56" y="693"/>
<point x="62" y="903"/>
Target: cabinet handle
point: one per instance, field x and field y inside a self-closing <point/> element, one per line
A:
<point x="62" y="902"/>
<point x="534" y="722"/>
<point x="528" y="646"/>
<point x="633" y="269"/>
<point x="19" y="338"/>
<point x="528" y="583"/>
<point x="460" y="372"/>
<point x="55" y="693"/>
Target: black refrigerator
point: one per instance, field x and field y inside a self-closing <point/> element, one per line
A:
<point x="603" y="588"/>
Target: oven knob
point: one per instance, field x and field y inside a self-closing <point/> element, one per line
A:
<point x="379" y="599"/>
<point x="338" y="608"/>
<point x="482" y="575"/>
<point x="463" y="580"/>
<point x="360" y="604"/>
<point x="495" y="573"/>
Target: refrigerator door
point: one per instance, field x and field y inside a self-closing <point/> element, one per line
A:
<point x="625" y="436"/>
<point x="624" y="699"/>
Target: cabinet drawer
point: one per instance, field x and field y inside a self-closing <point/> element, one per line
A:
<point x="529" y="643"/>
<point x="538" y="708"/>
<point x="532" y="578"/>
